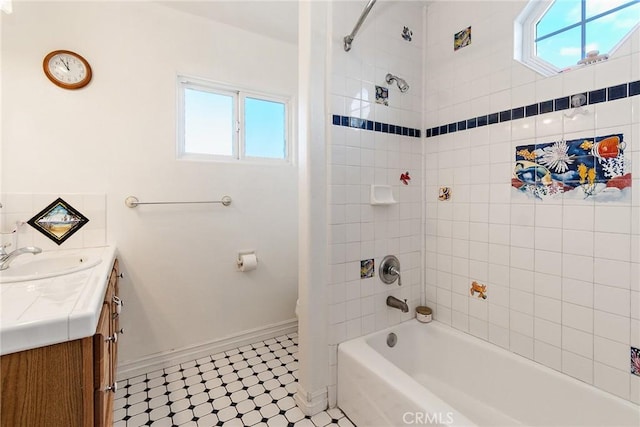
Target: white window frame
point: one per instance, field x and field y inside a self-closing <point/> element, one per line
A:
<point x="525" y="36"/>
<point x="239" y="95"/>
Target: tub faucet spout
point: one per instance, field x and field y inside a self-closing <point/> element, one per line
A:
<point x="396" y="303"/>
<point x="7" y="258"/>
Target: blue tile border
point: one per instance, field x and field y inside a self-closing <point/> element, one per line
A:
<point x="611" y="93"/>
<point x="357" y="123"/>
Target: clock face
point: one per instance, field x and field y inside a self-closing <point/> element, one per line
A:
<point x="67" y="69"/>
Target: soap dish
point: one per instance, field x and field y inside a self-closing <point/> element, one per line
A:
<point x="382" y="195"/>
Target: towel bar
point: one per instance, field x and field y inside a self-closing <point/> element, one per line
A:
<point x="132" y="202"/>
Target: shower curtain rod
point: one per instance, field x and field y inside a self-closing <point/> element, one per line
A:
<point x="349" y="38"/>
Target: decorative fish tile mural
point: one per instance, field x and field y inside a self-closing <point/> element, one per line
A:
<point x="585" y="168"/>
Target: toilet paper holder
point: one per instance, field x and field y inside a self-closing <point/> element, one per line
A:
<point x="240" y="261"/>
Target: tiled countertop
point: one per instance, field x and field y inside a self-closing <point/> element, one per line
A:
<point x="48" y="311"/>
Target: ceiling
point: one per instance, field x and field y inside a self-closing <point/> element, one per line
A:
<point x="277" y="19"/>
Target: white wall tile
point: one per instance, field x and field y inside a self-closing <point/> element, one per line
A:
<point x="521" y="323"/>
<point x="611" y="353"/>
<point x="499" y="335"/>
<point x="613" y="219"/>
<point x="548" y="332"/>
<point x="611" y="326"/>
<point x="578" y="342"/>
<point x="577" y="317"/>
<point x="577" y="292"/>
<point x="612" y="273"/>
<point x="635" y="333"/>
<point x="577" y="267"/>
<point x="635" y="389"/>
<point x="522" y="236"/>
<point x="548" y="308"/>
<point x="548" y="239"/>
<point x="612" y="380"/>
<point x="521" y="344"/>
<point x="549" y="216"/>
<point x="612" y="300"/>
<point x="578" y="217"/>
<point x="549" y="262"/>
<point x="521" y="301"/>
<point x="635" y="305"/>
<point x="615" y="246"/>
<point x="548" y="355"/>
<point x="577" y="366"/>
<point x="577" y="242"/>
<point x="523" y="215"/>
<point x="613" y="113"/>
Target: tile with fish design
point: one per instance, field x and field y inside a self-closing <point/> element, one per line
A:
<point x="382" y="95"/>
<point x="462" y="39"/>
<point x="366" y="268"/>
<point x="635" y="361"/>
<point x="585" y="168"/>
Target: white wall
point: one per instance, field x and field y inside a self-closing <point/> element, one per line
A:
<point x="562" y="276"/>
<point x="360" y="158"/>
<point x="117" y="137"/>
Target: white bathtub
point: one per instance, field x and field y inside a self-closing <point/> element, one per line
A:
<point x="436" y="375"/>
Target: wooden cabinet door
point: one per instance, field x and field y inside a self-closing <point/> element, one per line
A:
<point x="114" y="285"/>
<point x="103" y="373"/>
<point x="48" y="386"/>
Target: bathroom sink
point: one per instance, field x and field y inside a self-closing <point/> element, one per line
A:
<point x="46" y="265"/>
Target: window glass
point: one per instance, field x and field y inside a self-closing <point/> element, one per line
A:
<point x="556" y="35"/>
<point x="605" y="32"/>
<point x="208" y="123"/>
<point x="219" y="122"/>
<point x="561" y="14"/>
<point x="596" y="7"/>
<point x="562" y="50"/>
<point x="265" y="128"/>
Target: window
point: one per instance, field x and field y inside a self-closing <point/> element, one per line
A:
<point x="220" y="123"/>
<point x="552" y="36"/>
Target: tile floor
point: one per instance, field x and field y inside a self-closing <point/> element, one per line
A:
<point x="248" y="386"/>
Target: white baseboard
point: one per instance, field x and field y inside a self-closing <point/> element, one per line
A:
<point x="165" y="359"/>
<point x="311" y="403"/>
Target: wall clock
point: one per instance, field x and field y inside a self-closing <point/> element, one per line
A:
<point x="67" y="69"/>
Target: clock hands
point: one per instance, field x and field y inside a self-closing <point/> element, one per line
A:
<point x="66" y="64"/>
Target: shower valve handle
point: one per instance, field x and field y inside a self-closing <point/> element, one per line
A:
<point x="395" y="271"/>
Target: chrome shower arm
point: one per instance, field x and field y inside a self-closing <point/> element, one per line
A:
<point x="349" y="38"/>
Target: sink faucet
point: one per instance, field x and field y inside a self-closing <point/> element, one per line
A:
<point x="7" y="258"/>
<point x="396" y="303"/>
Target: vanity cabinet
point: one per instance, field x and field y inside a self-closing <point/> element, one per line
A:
<point x="67" y="384"/>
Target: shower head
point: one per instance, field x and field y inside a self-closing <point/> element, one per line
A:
<point x="402" y="83"/>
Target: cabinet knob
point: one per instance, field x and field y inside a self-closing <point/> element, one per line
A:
<point x="121" y="331"/>
<point x="112" y="388"/>
<point x="113" y="338"/>
<point x="121" y="275"/>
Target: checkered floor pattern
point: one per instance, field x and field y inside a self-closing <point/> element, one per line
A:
<point x="248" y="386"/>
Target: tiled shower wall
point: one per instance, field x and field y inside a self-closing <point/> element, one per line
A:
<point x="361" y="157"/>
<point x="562" y="276"/>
